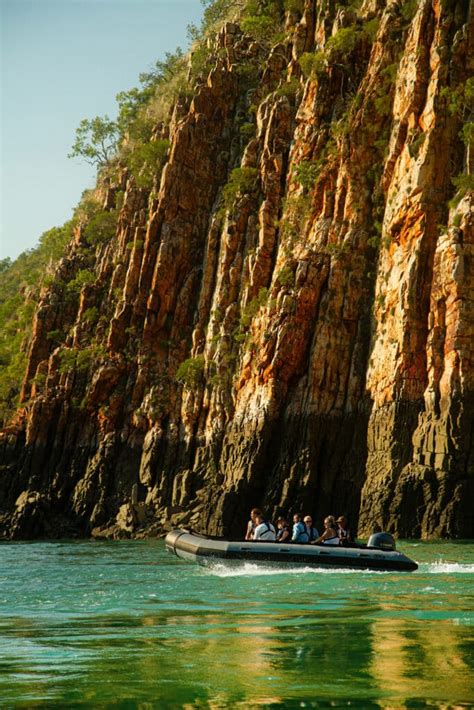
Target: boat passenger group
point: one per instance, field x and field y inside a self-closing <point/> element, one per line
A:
<point x="335" y="531"/>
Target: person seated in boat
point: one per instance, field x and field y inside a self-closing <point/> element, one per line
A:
<point x="283" y="534"/>
<point x="299" y="533"/>
<point x="329" y="536"/>
<point x="263" y="530"/>
<point x="312" y="532"/>
<point x="251" y="523"/>
<point x="343" y="532"/>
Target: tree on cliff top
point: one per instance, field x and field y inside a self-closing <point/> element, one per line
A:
<point x="141" y="109"/>
<point x="96" y="141"/>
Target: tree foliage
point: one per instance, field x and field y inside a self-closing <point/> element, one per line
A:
<point x="241" y="181"/>
<point x="133" y="140"/>
<point x="146" y="161"/>
<point x="191" y="371"/>
<point x="96" y="141"/>
<point x="20" y="286"/>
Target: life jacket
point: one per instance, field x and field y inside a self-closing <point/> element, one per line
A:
<point x="335" y="540"/>
<point x="269" y="527"/>
<point x="301" y="532"/>
<point x="280" y="533"/>
<point x="312" y="533"/>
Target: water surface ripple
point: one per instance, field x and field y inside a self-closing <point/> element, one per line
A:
<point x="124" y="624"/>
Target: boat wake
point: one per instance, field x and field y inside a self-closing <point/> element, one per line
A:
<point x="247" y="569"/>
<point x="446" y="568"/>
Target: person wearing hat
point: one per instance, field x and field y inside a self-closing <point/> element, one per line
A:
<point x="343" y="531"/>
<point x="312" y="532"/>
<point x="284" y="533"/>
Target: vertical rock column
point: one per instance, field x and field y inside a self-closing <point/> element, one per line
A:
<point x="420" y="468"/>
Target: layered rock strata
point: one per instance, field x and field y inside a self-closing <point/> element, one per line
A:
<point x="324" y="315"/>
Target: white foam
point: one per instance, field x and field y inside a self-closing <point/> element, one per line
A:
<point x="447" y="568"/>
<point x="249" y="569"/>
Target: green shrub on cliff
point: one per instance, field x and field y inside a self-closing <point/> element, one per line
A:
<point x="306" y="173"/>
<point x="91" y="315"/>
<point x="98" y="224"/>
<point x="262" y="19"/>
<point x="371" y="28"/>
<point x="408" y="9"/>
<point x="191" y="371"/>
<point x="460" y="98"/>
<point x="347" y="39"/>
<point x="247" y="131"/>
<point x="201" y="60"/>
<point x="460" y="103"/>
<point x="383" y="105"/>
<point x="134" y="104"/>
<point x="101" y="227"/>
<point x="338" y="47"/>
<point x="146" y="161"/>
<point x="80" y="360"/>
<point x="259" y="26"/>
<point x="252" y="308"/>
<point x="11" y="378"/>
<point x="294" y="6"/>
<point x="288" y="89"/>
<point x="20" y="285"/>
<point x="415" y="146"/>
<point x="463" y="183"/>
<point x="241" y="181"/>
<point x="296" y="211"/>
<point x="344" y="41"/>
<point x="84" y="277"/>
<point x="142" y="108"/>
<point x="286" y="276"/>
<point x="467" y="134"/>
<point x="312" y="64"/>
<point x="215" y="13"/>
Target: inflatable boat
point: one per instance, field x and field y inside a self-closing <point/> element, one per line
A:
<point x="379" y="554"/>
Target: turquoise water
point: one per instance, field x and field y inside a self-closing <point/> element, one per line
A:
<point x="125" y="624"/>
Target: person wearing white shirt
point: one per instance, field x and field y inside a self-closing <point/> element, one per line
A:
<point x="263" y="530"/>
<point x="329" y="536"/>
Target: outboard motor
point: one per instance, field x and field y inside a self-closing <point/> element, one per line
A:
<point x="382" y="540"/>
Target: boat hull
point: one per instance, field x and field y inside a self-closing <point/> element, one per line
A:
<point x="206" y="551"/>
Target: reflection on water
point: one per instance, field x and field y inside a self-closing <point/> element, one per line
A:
<point x="414" y="660"/>
<point x="124" y="624"/>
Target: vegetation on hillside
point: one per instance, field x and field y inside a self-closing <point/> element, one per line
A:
<point x="20" y="286"/>
<point x="131" y="141"/>
<point x="136" y="143"/>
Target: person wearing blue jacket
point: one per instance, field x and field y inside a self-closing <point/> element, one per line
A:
<point x="300" y="533"/>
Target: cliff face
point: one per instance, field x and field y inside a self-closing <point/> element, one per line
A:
<point x="295" y="334"/>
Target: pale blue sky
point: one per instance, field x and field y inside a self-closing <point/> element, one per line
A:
<point x="61" y="61"/>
